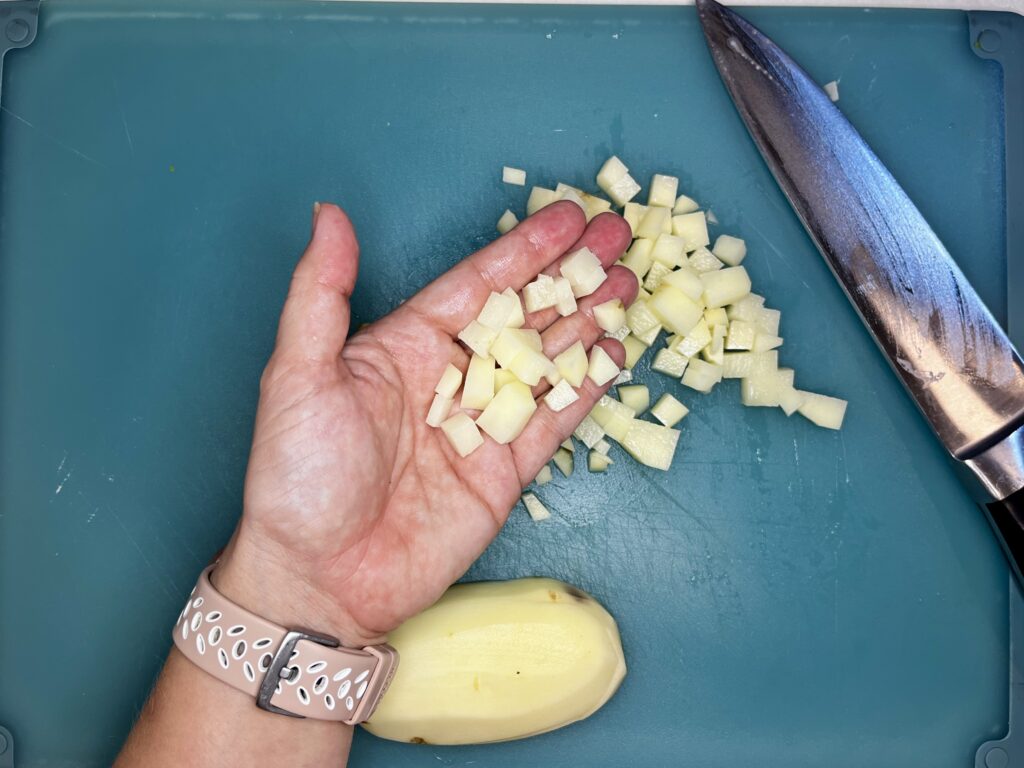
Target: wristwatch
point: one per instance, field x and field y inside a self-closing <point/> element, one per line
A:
<point x="292" y="672"/>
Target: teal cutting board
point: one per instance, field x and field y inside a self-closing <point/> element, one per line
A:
<point x="787" y="596"/>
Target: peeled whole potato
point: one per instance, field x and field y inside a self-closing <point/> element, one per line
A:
<point x="494" y="661"/>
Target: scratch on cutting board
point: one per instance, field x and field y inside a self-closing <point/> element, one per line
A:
<point x="124" y="120"/>
<point x="48" y="137"/>
<point x="775" y="250"/>
<point x="65" y="478"/>
<point x="142" y="554"/>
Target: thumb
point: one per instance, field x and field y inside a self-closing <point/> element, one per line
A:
<point x="315" y="319"/>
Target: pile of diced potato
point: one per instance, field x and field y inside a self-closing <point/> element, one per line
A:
<point x="698" y="299"/>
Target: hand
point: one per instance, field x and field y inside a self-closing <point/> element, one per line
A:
<point x="357" y="514"/>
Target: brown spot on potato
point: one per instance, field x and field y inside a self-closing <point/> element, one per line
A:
<point x="418" y="740"/>
<point x="579" y="594"/>
<point x="553" y="595"/>
<point x="476" y="682"/>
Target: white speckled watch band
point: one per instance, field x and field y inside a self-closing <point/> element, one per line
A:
<point x="316" y="680"/>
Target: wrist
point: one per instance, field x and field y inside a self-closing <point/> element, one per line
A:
<point x="271" y="586"/>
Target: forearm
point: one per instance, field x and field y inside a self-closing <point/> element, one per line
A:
<point x="193" y="719"/>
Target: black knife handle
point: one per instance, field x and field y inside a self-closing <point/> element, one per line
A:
<point x="1007" y="518"/>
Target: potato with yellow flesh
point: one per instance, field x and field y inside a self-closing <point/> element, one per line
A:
<point x="495" y="661"/>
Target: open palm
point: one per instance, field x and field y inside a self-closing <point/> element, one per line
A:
<point x="350" y="496"/>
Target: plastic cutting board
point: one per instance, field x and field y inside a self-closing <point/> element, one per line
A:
<point x="787" y="596"/>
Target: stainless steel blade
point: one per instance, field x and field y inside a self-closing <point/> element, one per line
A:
<point x="950" y="353"/>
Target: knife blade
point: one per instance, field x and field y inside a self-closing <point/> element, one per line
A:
<point x="951" y="355"/>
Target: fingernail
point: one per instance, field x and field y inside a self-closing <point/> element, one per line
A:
<point x="316" y="213"/>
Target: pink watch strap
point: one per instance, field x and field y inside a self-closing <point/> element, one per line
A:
<point x="291" y="672"/>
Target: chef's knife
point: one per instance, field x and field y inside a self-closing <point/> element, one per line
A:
<point x="942" y="342"/>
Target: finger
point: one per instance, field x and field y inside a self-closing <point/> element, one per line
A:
<point x="607" y="236"/>
<point x="314" y="321"/>
<point x="621" y="284"/>
<point x="547" y="429"/>
<point x="512" y="260"/>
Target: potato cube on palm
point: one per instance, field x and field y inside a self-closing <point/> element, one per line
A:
<point x="507" y="414"/>
<point x="584" y="272"/>
<point x="498" y="310"/>
<point x="561" y="396"/>
<point x="530" y="366"/>
<point x="602" y="368"/>
<point x="540" y="294"/>
<point x="462" y="433"/>
<point x="478" y="338"/>
<point x="479" y="389"/>
<point x="540" y="198"/>
<point x="450" y="381"/>
<point x="610" y="316"/>
<point x="573" y="364"/>
<point x="440" y="407"/>
<point x="565" y="302"/>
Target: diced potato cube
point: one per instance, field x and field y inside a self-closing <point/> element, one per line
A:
<point x="602" y="368"/>
<point x="824" y="411"/>
<point x="632" y="213"/>
<point x="767" y="321"/>
<point x="740" y="365"/>
<point x="748" y="308"/>
<point x="651" y="444"/>
<point x="653" y="223"/>
<point x="506" y="416"/>
<point x="702" y="375"/>
<point x="594" y="206"/>
<point x="515" y="176"/>
<point x="540" y="198"/>
<point x="625" y="376"/>
<point x="761" y="389"/>
<point x="508" y="344"/>
<point x="612" y="416"/>
<point x="540" y="294"/>
<point x="479" y="389"/>
<point x="516" y="319"/>
<point x="561" y="396"/>
<point x="535" y="508"/>
<point x="478" y="338"/>
<point x="567" y="444"/>
<point x="544" y="476"/>
<point x="571" y="193"/>
<point x="589" y="432"/>
<point x="638" y="257"/>
<point x="565" y="302"/>
<point x="639" y="317"/>
<point x="642" y="295"/>
<point x="693" y="228"/>
<point x="702" y="260"/>
<point x="498" y="310"/>
<point x="726" y="286"/>
<point x="635" y="396"/>
<point x="450" y="381"/>
<point x="655" y="275"/>
<point x="612" y="170"/>
<point x="686" y="280"/>
<point x="663" y="190"/>
<point x="730" y="250"/>
<point x="573" y="364"/>
<point x="741" y="335"/>
<point x="603" y="447"/>
<point x="669" y="411"/>
<point x="668" y="250"/>
<point x="790" y="399"/>
<point x="677" y="311"/>
<point x="716" y="316"/>
<point x="649" y="336"/>
<point x="787" y="376"/>
<point x="668" y="362"/>
<point x="698" y="338"/>
<point x="610" y="316"/>
<point x="764" y="342"/>
<point x="440" y="407"/>
<point x="715" y="351"/>
<point x="503" y="377"/>
<point x="623" y="190"/>
<point x="507" y="221"/>
<point x="561" y="188"/>
<point x="685" y="204"/>
<point x="530" y="366"/>
<point x="584" y="272"/>
<point x="597" y="462"/>
<point x="634" y="350"/>
<point x="563" y="460"/>
<point x="831" y="88"/>
<point x="621" y="333"/>
<point x="462" y="433"/>
<point x="531" y="338"/>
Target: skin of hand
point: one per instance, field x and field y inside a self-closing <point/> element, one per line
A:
<point x="357" y="515"/>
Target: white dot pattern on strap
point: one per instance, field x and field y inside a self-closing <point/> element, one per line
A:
<point x="211" y="624"/>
